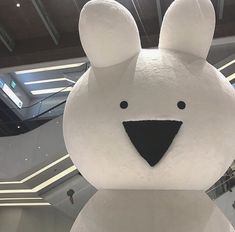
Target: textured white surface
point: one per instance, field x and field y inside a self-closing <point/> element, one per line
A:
<point x="151" y="211"/>
<point x="188" y="26"/>
<point x="15" y="149"/>
<point x="153" y="84"/>
<point x="108" y="33"/>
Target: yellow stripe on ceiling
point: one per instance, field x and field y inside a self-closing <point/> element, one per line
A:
<point x="24" y="204"/>
<point x="36" y="173"/>
<point x="42" y="185"/>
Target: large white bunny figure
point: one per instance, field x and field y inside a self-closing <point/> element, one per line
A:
<point x="150" y="129"/>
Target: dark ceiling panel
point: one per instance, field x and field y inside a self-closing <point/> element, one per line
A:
<point x="23" y="22"/>
<point x="33" y="42"/>
<point x="219" y="53"/>
<point x="64" y="14"/>
<point x="146" y="9"/>
<point x="224" y="30"/>
<point x="229" y="11"/>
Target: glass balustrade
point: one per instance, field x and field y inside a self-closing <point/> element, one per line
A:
<point x="37" y="113"/>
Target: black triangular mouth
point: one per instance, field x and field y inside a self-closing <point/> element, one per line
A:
<point x="152" y="138"/>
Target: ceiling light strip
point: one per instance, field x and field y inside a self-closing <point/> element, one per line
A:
<point x="10" y="182"/>
<point x="52" y="90"/>
<point x="226" y="65"/>
<point x="231" y="77"/>
<point x="16" y="191"/>
<point x="54" y="178"/>
<point x="37" y="172"/>
<point x="66" y="66"/>
<point x="45" y="168"/>
<point x="45" y="81"/>
<point x="42" y="185"/>
<point x="20" y="198"/>
<point x="71" y="81"/>
<point x="49" y="81"/>
<point x="24" y="204"/>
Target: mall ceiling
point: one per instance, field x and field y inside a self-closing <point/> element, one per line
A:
<point x="33" y="31"/>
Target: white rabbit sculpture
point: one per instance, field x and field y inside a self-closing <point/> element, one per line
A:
<point x="151" y="129"/>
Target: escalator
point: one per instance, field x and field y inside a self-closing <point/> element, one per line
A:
<point x="15" y="121"/>
<point x="11" y="124"/>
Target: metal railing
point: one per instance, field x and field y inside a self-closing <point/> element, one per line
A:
<point x="224" y="184"/>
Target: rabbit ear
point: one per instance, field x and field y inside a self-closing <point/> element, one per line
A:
<point x="188" y="26"/>
<point x="108" y="33"/>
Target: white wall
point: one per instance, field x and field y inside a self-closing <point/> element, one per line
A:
<point x="83" y="191"/>
<point x="25" y="153"/>
<point x="33" y="219"/>
<point x="225" y="203"/>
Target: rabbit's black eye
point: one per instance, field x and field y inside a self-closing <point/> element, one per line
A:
<point x="124" y="104"/>
<point x="181" y="105"/>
